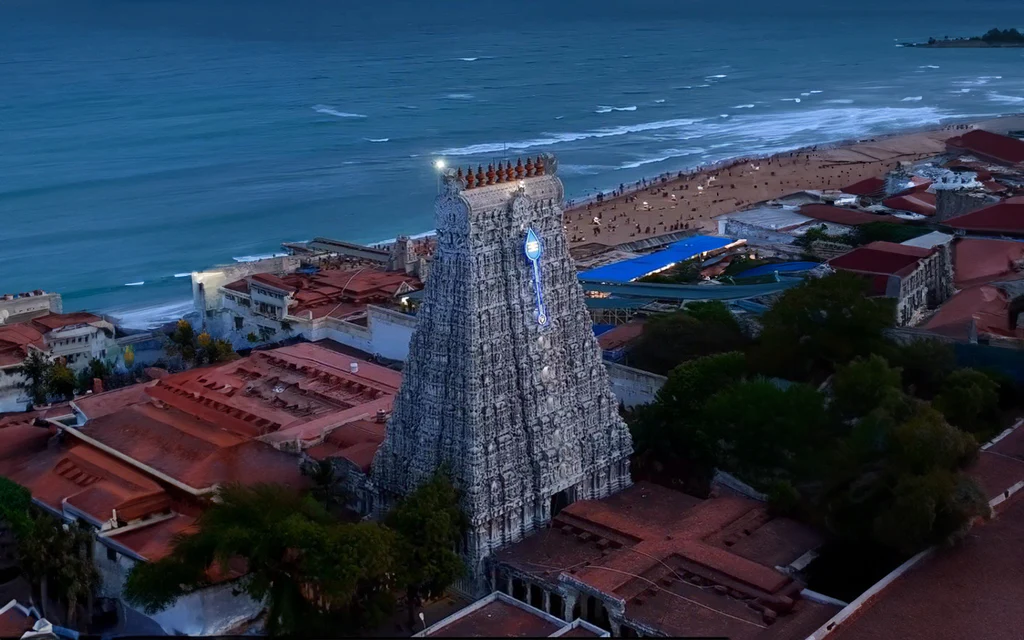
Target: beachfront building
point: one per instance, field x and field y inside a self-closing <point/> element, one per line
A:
<point x="18" y="307"/>
<point x="358" y="304"/>
<point x="504" y="383"/>
<point x="139" y="464"/>
<point x="76" y="338"/>
<point x="917" y="278"/>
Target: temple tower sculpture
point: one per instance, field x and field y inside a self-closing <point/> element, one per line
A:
<point x="504" y="382"/>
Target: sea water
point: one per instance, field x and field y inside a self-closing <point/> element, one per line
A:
<point x="142" y="139"/>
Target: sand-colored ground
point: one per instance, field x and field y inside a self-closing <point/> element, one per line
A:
<point x="693" y="200"/>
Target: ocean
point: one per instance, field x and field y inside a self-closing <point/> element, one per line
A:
<point x="144" y="139"/>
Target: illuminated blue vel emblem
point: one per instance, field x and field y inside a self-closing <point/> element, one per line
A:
<point x="534" y="249"/>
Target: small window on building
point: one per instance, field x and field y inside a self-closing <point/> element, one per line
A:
<point x="111" y="555"/>
<point x="238" y="322"/>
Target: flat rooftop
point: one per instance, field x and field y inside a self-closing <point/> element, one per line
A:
<point x="501" y="616"/>
<point x="679" y="251"/>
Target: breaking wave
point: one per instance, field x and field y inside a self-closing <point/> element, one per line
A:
<point x="459" y="96"/>
<point x="912" y="99"/>
<point x="667" y="154"/>
<point x="606" y="109"/>
<point x="135" y="284"/>
<point x="151" y="317"/>
<point x="377" y="139"/>
<point x="331" y="111"/>
<point x="1000" y="98"/>
<point x="744" y="106"/>
<point x="552" y="139"/>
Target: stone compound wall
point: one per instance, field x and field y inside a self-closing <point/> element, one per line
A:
<point x="520" y="412"/>
<point x="632" y="386"/>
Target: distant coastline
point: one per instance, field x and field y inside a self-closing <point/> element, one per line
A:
<point x="993" y="39"/>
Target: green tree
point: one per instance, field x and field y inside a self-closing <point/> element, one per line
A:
<point x="36" y="369"/>
<point x="61" y="381"/>
<point x="765" y="433"/>
<point x="197" y="349"/>
<point x="671" y="443"/>
<point x="970" y="400"/>
<point x="925" y="365"/>
<point x="934" y="508"/>
<point x="701" y="329"/>
<point x="56" y="557"/>
<point x="430" y="525"/>
<point x="97" y="369"/>
<point x="862" y="385"/>
<point x="317" y="575"/>
<point x="821" y="324"/>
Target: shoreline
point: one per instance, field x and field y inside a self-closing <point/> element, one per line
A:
<point x="676" y="184"/>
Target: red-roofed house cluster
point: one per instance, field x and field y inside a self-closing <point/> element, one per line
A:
<point x="140" y="463"/>
<point x="917" y="278"/>
<point x="359" y="306"/>
<point x="33" y="323"/>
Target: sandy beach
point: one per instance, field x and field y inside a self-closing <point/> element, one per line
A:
<point x="691" y="200"/>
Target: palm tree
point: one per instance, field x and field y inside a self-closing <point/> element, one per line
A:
<point x="315" y="575"/>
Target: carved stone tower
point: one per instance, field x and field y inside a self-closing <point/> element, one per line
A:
<point x="504" y="381"/>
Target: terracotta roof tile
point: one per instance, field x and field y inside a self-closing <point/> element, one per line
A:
<point x="990" y="145"/>
<point x="498" y="618"/>
<point x="14" y="623"/>
<point x="971" y="590"/>
<point x="920" y="202"/>
<point x="881" y="258"/>
<point x="983" y="260"/>
<point x="841" y="215"/>
<point x="621" y="335"/>
<point x="1002" y="217"/>
<point x="866" y="187"/>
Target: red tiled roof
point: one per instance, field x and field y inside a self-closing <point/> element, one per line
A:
<point x="621" y="335"/>
<point x="1002" y="217"/>
<point x="15" y="340"/>
<point x="14" y="622"/>
<point x="989" y="145"/>
<point x="994" y="187"/>
<point x="100" y="404"/>
<point x="335" y="292"/>
<point x="355" y="441"/>
<point x="982" y="260"/>
<point x="866" y="187"/>
<point x="989" y="306"/>
<point x="271" y="280"/>
<point x="53" y="321"/>
<point x="841" y="215"/>
<point x="971" y="590"/>
<point x="648" y="535"/>
<point x="880" y="257"/>
<point x="920" y="202"/>
<point x="153" y="541"/>
<point x="498" y="619"/>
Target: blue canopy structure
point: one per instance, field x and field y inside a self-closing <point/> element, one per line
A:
<point x="679" y="251"/>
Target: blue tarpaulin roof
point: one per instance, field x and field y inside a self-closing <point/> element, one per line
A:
<point x="782" y="267"/>
<point x="679" y="251"/>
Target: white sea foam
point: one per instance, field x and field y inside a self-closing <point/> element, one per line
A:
<point x="791" y="99"/>
<point x="702" y="86"/>
<point x="839" y="101"/>
<point x="667" y="154"/>
<point x="409" y="106"/>
<point x="815" y="91"/>
<point x="321" y="108"/>
<point x="912" y="99"/>
<point x="606" y="109"/>
<point x="929" y="66"/>
<point x="744" y="106"/>
<point x="183" y="275"/>
<point x="153" y="316"/>
<point x="469" y="59"/>
<point x="559" y="117"/>
<point x="135" y="284"/>
<point x="659" y="101"/>
<point x="264" y="256"/>
<point x="377" y="139"/>
<point x="582" y="169"/>
<point x="552" y="139"/>
<point x="715" y="77"/>
<point x="723" y="115"/>
<point x="459" y="96"/>
<point x="1001" y="98"/>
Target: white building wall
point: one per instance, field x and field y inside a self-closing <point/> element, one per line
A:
<point x="30" y="304"/>
<point x="212" y="611"/>
<point x="13" y="397"/>
<point x="632" y="386"/>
